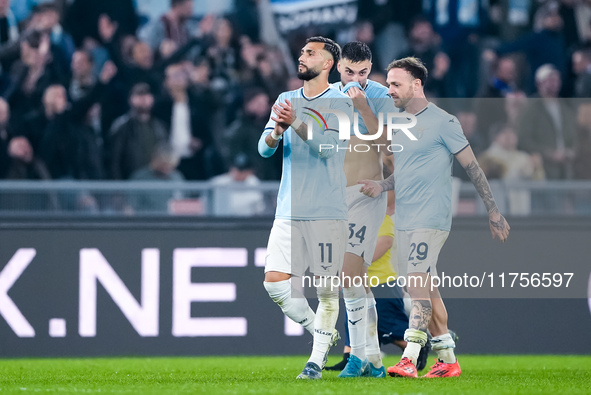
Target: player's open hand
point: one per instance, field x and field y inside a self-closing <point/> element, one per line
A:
<point x="498" y="226"/>
<point x="370" y="188"/>
<point x="284" y="114"/>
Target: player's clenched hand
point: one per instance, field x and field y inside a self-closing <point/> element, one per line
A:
<point x="284" y="114"/>
<point x="370" y="188"/>
<point x="498" y="226"/>
<point x="357" y="97"/>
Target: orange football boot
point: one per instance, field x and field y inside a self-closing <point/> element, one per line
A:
<point x="404" y="368"/>
<point x="441" y="369"/>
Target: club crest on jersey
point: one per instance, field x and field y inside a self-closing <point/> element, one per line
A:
<point x="419" y="133"/>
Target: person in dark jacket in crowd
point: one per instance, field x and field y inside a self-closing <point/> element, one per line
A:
<point x="82" y="18"/>
<point x="135" y="135"/>
<point x="58" y="136"/>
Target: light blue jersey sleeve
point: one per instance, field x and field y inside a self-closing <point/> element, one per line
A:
<point x="452" y="136"/>
<point x="264" y="150"/>
<point x="377" y="98"/>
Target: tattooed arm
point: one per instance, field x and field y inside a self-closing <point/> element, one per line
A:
<point x="498" y="225"/>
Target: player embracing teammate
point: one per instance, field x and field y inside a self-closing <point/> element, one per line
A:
<point x="422" y="184"/>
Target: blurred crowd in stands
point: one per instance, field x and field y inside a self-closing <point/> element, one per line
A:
<point x="92" y="91"/>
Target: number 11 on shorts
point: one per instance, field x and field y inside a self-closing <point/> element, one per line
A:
<point x="329" y="250"/>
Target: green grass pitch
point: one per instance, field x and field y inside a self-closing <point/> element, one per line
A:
<point x="546" y="374"/>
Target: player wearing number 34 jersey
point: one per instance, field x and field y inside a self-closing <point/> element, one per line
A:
<point x="366" y="214"/>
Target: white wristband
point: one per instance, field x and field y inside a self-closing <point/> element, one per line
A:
<point x="296" y="124"/>
<point x="275" y="136"/>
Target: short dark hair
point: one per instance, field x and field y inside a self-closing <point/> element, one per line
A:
<point x="140" y="89"/>
<point x="32" y="38"/>
<point x="413" y="65"/>
<point x="45" y="7"/>
<point x="356" y="51"/>
<point x="174" y="3"/>
<point x="329" y="45"/>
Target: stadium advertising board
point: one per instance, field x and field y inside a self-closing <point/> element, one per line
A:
<point x="178" y="289"/>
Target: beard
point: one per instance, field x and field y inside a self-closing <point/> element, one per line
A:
<point x="308" y="74"/>
<point x="405" y="100"/>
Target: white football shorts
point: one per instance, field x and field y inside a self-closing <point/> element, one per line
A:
<point x="366" y="215"/>
<point x="418" y="250"/>
<point x="295" y="246"/>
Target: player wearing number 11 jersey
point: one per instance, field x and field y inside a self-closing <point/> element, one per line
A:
<point x="310" y="227"/>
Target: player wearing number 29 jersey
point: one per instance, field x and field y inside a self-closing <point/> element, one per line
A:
<point x="422" y="170"/>
<point x="422" y="182"/>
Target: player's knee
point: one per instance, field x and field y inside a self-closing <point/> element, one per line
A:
<point x="417" y="292"/>
<point x="326" y="290"/>
<point x="278" y="291"/>
<point x="415" y="336"/>
<point x="328" y="296"/>
<point x="354" y="293"/>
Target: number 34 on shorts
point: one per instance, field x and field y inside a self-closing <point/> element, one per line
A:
<point x="356" y="235"/>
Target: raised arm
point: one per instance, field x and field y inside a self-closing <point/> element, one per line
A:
<point x="498" y="225"/>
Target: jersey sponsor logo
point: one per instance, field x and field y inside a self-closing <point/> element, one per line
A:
<point x="418" y="133"/>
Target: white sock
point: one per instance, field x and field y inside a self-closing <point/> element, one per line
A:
<point x="444" y="347"/>
<point x="412" y="351"/>
<point x="324" y="324"/>
<point x="356" y="305"/>
<point x="372" y="343"/>
<point x="295" y="307"/>
<point x="415" y="340"/>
